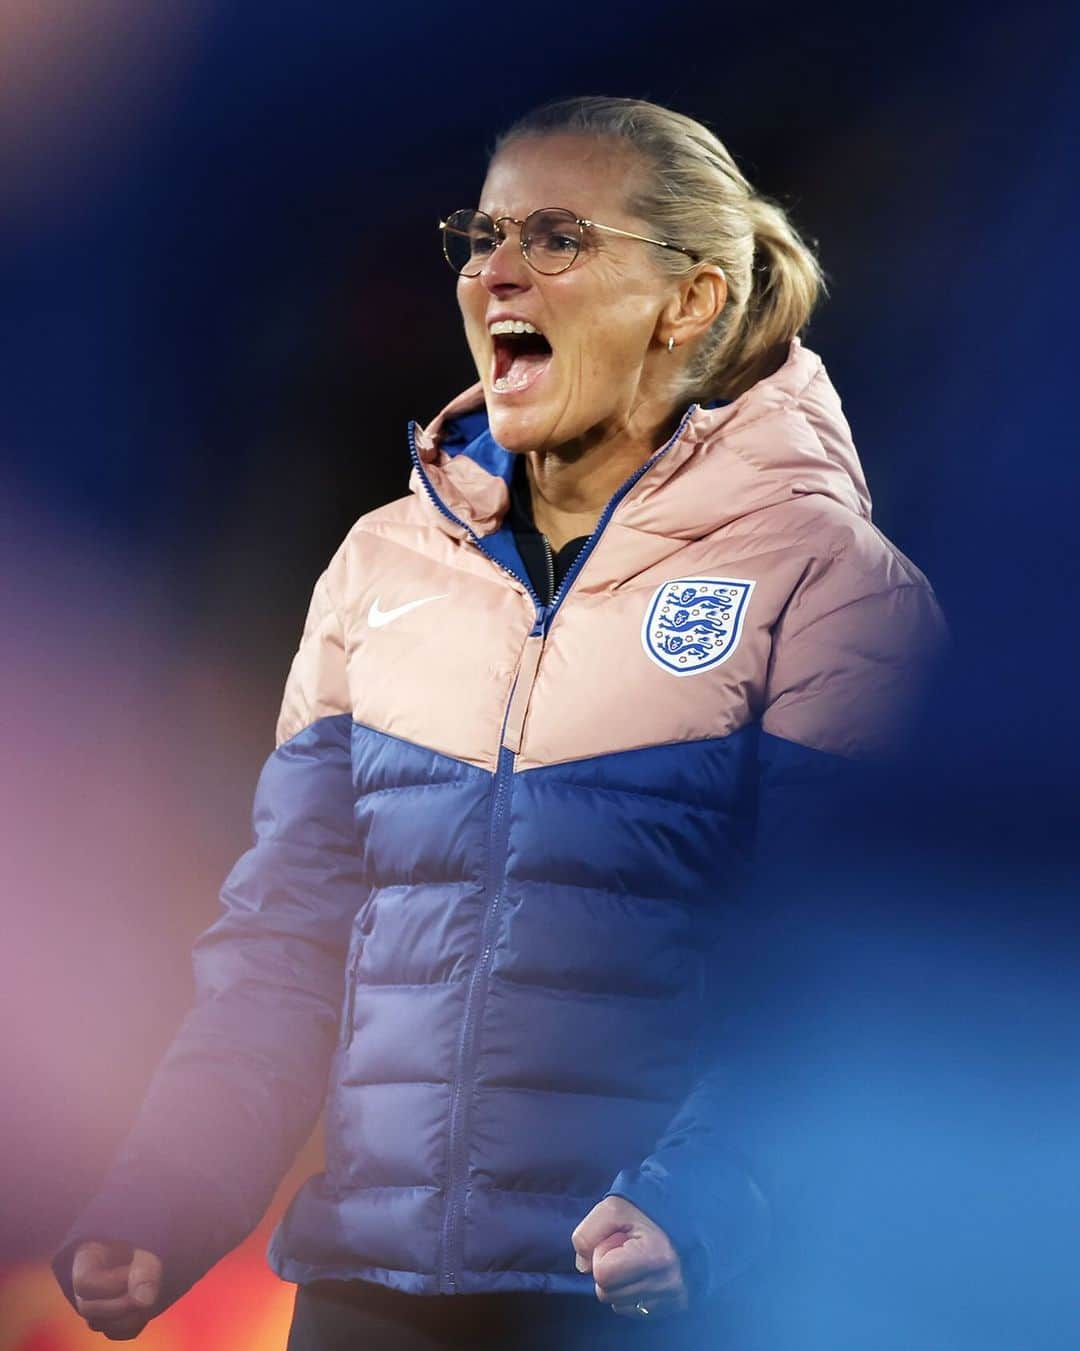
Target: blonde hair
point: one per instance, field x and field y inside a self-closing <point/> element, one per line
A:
<point x="693" y="194"/>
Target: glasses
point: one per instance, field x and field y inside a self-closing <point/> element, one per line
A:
<point x="550" y="239"/>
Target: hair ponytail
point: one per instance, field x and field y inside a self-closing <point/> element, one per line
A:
<point x="786" y="281"/>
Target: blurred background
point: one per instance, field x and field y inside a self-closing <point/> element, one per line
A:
<point x="222" y="300"/>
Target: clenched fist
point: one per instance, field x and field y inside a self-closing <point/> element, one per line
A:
<point x="631" y="1259"/>
<point x="117" y="1287"/>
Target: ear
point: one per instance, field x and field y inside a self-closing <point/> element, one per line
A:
<point x="693" y="307"/>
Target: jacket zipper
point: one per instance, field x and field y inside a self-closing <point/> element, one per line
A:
<point x="606" y="515"/>
<point x="350" y="1000"/>
<point x="441" y="506"/>
<point x="499" y="830"/>
<point x="550" y="570"/>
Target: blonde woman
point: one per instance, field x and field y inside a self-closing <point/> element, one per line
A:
<point x="631" y="617"/>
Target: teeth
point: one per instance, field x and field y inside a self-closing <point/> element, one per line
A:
<point x="501" y="326"/>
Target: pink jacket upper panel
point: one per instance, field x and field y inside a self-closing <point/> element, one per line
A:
<point x="416" y="632"/>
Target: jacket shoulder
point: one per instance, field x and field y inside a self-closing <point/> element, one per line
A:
<point x="835" y="535"/>
<point x="403" y="510"/>
<point x="402" y="517"/>
<point x="856" y="646"/>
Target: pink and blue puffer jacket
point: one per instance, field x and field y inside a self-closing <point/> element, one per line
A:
<point x="495" y="847"/>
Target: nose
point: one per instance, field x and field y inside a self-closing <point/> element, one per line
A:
<point x="505" y="270"/>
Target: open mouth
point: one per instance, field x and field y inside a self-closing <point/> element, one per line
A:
<point x="519" y="360"/>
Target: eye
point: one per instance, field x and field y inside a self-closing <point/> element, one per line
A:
<point x="482" y="243"/>
<point x="556" y="235"/>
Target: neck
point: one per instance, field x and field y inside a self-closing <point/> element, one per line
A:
<point x="571" y="484"/>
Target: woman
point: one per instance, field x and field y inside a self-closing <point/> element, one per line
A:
<point x="631" y="608"/>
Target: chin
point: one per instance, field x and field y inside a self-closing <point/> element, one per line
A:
<point x="515" y="429"/>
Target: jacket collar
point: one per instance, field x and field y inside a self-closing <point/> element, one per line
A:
<point x="785" y="436"/>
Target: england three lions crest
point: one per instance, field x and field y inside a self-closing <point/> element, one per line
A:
<point x="694" y="623"/>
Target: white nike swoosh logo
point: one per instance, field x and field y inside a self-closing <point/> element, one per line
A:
<point x="377" y="618"/>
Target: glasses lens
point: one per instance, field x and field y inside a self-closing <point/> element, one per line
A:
<point x="551" y="239"/>
<point x="469" y="239"/>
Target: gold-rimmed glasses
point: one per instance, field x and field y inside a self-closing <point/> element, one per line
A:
<point x="550" y="239"/>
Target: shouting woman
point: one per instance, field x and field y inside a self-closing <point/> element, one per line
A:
<point x="545" y="709"/>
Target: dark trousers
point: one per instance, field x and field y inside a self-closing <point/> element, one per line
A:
<point x="363" y="1316"/>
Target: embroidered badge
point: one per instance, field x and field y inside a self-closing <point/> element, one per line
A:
<point x="693" y="623"/>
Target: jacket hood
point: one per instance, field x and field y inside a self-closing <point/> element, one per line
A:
<point x="784" y="437"/>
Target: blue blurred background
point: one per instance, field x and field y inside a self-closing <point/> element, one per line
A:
<point x="222" y="300"/>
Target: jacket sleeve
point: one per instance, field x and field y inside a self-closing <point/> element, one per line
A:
<point x="242" y="1083"/>
<point x="853" y="655"/>
<point x="854" y="658"/>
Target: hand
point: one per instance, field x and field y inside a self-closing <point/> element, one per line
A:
<point x="631" y="1259"/>
<point x="116" y="1287"/>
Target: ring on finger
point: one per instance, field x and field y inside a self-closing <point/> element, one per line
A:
<point x="639" y="1310"/>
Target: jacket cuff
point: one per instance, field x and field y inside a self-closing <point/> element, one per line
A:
<point x="171" y="1217"/>
<point x="718" y="1220"/>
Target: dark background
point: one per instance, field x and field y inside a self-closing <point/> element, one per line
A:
<point x="222" y="300"/>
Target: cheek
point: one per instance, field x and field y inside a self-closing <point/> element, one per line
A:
<point x="615" y="331"/>
<point x="475" y="337"/>
<point x="471" y="308"/>
<point x="611" y="354"/>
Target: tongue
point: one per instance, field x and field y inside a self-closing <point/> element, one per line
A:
<point x="520" y="370"/>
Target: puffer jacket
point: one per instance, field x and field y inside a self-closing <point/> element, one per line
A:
<point x="495" y="847"/>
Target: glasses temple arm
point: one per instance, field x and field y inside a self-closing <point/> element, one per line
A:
<point x="629" y="234"/>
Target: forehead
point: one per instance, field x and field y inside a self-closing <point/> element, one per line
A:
<point x="587" y="174"/>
